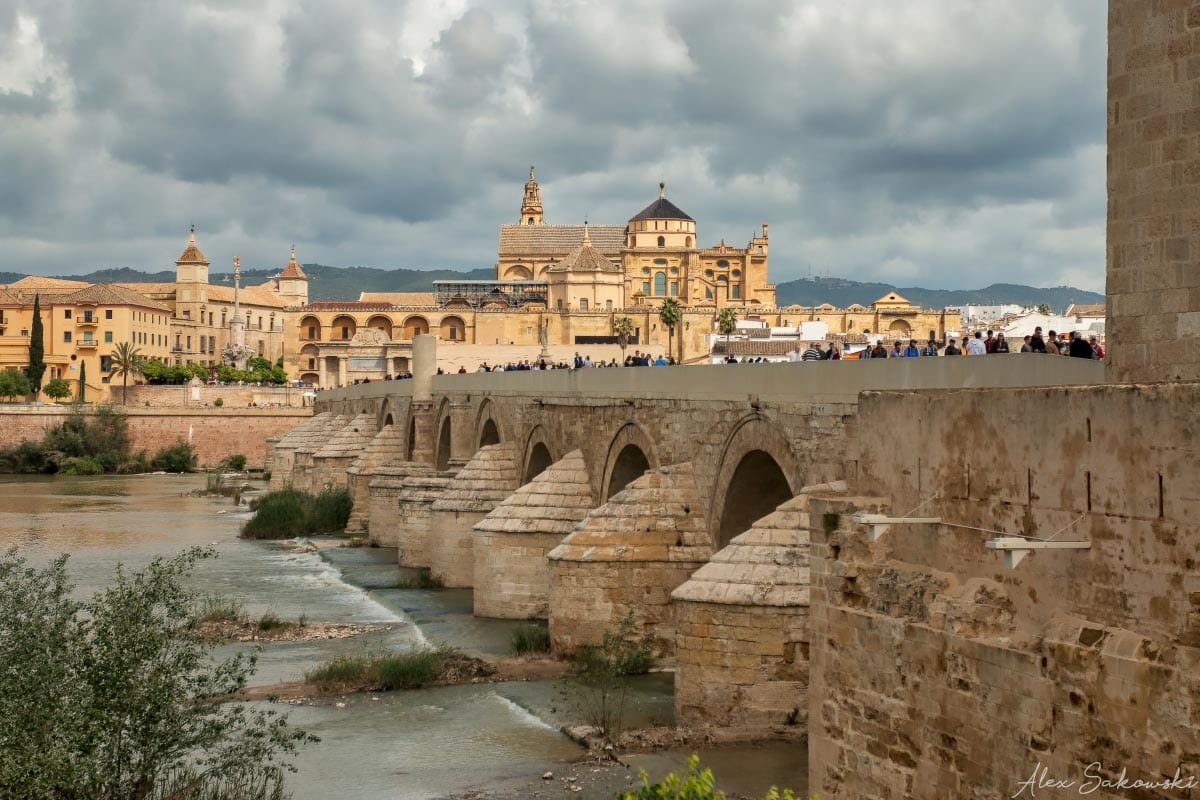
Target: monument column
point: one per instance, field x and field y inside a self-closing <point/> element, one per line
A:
<point x="424" y="366"/>
<point x="343" y="370"/>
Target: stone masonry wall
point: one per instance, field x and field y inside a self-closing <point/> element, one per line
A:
<point x="1154" y="190"/>
<point x="215" y="433"/>
<point x="939" y="672"/>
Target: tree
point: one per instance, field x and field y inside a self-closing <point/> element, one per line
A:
<point x="623" y="328"/>
<point x="57" y="389"/>
<point x="670" y="315"/>
<point x="14" y="383"/>
<point x="726" y="325"/>
<point x="82" y="381"/>
<point x="1044" y="308"/>
<point x="125" y="360"/>
<point x="119" y="696"/>
<point x="37" y="347"/>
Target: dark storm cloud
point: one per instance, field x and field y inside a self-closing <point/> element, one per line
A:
<point x="883" y="141"/>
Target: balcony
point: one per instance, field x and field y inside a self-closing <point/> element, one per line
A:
<point x="87" y="319"/>
<point x="89" y="344"/>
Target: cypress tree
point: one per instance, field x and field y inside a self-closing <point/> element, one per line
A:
<point x="82" y="380"/>
<point x="37" y="348"/>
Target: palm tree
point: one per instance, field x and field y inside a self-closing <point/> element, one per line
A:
<point x="726" y="325"/>
<point x="125" y="361"/>
<point x="670" y="315"/>
<point x="623" y="328"/>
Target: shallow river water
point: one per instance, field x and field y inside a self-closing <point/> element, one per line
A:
<point x="402" y="745"/>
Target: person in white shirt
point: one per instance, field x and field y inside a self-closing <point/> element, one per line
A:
<point x="975" y="346"/>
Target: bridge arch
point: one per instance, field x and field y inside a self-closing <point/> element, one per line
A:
<point x="388" y="414"/>
<point x="410" y="441"/>
<point x="487" y="425"/>
<point x="441" y="450"/>
<point x="758" y="472"/>
<point x="538" y="455"/>
<point x="630" y="454"/>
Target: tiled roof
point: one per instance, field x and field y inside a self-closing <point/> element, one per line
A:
<point x="191" y="254"/>
<point x="37" y="284"/>
<point x="585" y="258"/>
<point x="398" y="298"/>
<point x="755" y="347"/>
<point x="662" y="208"/>
<point x="111" y="294"/>
<point x="1085" y="310"/>
<point x="8" y="299"/>
<point x="517" y="240"/>
<point x="247" y="295"/>
<point x="292" y="270"/>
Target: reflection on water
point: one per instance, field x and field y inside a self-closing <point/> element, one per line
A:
<point x="403" y="745"/>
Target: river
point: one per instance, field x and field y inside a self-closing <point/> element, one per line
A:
<point x="414" y="745"/>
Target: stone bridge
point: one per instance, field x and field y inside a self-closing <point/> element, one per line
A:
<point x="675" y="494"/>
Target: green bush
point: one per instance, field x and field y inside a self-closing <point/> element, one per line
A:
<point x="82" y="466"/>
<point x="526" y="639"/>
<point x="379" y="672"/>
<point x="118" y="696"/>
<point x="219" y="402"/>
<point x="330" y="511"/>
<point x="236" y="462"/>
<point x="57" y="389"/>
<point x="213" y="608"/>
<point x="598" y="687"/>
<point x="695" y="784"/>
<point x="178" y="457"/>
<point x="101" y="435"/>
<point x="278" y="515"/>
<point x="14" y="383"/>
<point x="270" y="622"/>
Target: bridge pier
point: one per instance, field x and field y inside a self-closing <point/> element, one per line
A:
<point x="302" y="468"/>
<point x="332" y="462"/>
<point x="387" y="447"/>
<point x="487" y="479"/>
<point x="512" y="575"/>
<point x="282" y="456"/>
<point x="418" y="491"/>
<point x="626" y="557"/>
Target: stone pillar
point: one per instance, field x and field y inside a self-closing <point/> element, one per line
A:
<point x="424" y="444"/>
<point x="424" y="366"/>
<point x="490" y="477"/>
<point x="343" y="365"/>
<point x="512" y="575"/>
<point x="1153" y="313"/>
<point x="414" y="505"/>
<point x="462" y="434"/>
<point x="627" y="556"/>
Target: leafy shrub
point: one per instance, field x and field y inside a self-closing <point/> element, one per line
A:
<point x="119" y="697"/>
<point x="178" y="457"/>
<point x="219" y="402"/>
<point x="381" y="672"/>
<point x="278" y="515"/>
<point x="695" y="784"/>
<point x="330" y="511"/>
<point x="526" y="639"/>
<point x="57" y="389"/>
<point x="270" y="622"/>
<point x="14" y="383"/>
<point x="213" y="608"/>
<point x="82" y="466"/>
<point x="598" y="687"/>
<point x="236" y="462"/>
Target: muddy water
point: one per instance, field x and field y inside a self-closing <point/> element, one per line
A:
<point x="422" y="744"/>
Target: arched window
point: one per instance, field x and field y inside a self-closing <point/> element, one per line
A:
<point x="662" y="241"/>
<point x="660" y="283"/>
<point x="688" y="242"/>
<point x="708" y="294"/>
<point x="530" y="220"/>
<point x="608" y="305"/>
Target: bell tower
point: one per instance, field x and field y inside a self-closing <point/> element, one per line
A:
<point x="531" y="204"/>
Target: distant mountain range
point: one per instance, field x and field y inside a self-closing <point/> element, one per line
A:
<point x="841" y="293"/>
<point x="345" y="283"/>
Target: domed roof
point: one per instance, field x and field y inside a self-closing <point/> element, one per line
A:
<point x="662" y="208"/>
<point x="585" y="258"/>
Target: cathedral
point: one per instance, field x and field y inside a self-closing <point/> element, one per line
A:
<point x="654" y="256"/>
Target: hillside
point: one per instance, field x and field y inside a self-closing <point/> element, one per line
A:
<point x="841" y="292"/>
<point x="345" y="283"/>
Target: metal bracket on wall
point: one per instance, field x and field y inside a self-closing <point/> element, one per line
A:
<point x="879" y="523"/>
<point x="1015" y="548"/>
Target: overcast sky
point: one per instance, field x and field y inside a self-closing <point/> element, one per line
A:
<point x="943" y="143"/>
